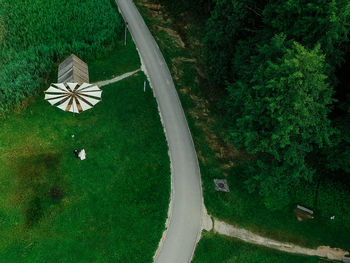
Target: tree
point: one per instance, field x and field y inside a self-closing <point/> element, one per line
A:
<point x="230" y="22"/>
<point x="307" y="22"/>
<point x="279" y="112"/>
<point x="337" y="157"/>
<point x="311" y="22"/>
<point x="200" y="8"/>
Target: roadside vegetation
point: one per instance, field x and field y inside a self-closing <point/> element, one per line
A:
<point x="276" y="62"/>
<point x="110" y="207"/>
<point x="267" y="108"/>
<point x="215" y="248"/>
<point x="36" y="34"/>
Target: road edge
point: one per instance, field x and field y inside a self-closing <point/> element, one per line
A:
<point x="203" y="213"/>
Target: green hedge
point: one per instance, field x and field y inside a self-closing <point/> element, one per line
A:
<point x="38" y="33"/>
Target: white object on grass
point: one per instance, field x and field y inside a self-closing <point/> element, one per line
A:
<point x="82" y="155"/>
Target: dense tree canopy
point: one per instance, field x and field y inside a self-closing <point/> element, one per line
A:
<point x="276" y="65"/>
<point x="310" y="22"/>
<point x="230" y="22"/>
<point x="279" y="112"/>
<point x="307" y="22"/>
<point x="277" y="59"/>
<point x="198" y="7"/>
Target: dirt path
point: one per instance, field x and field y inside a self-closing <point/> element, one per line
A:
<point x="223" y="228"/>
<point x="116" y="79"/>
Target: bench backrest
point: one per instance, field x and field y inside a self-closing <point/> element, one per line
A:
<point x="305" y="209"/>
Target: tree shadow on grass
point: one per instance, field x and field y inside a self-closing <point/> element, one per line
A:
<point x="39" y="186"/>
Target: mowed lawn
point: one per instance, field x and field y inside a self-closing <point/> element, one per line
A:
<point x="110" y="207"/>
<point x="219" y="249"/>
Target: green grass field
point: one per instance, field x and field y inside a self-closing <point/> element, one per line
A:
<point x="110" y="207"/>
<point x="115" y="63"/>
<point x="218" y="249"/>
<point x="237" y="207"/>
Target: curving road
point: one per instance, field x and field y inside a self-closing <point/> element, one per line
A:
<point x="184" y="222"/>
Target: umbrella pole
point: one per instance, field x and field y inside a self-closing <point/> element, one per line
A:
<point x="73" y="106"/>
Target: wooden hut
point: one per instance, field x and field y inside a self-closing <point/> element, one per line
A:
<point x="73" y="69"/>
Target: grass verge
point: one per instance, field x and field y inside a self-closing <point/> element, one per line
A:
<point x="114" y="63"/>
<point x="110" y="207"/>
<point x="215" y="248"/>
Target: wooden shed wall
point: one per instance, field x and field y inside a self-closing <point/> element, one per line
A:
<point x="73" y="69"/>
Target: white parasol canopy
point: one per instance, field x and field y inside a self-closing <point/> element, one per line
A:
<point x="73" y="97"/>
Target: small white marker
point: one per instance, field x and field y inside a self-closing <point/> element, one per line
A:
<point x="144" y="86"/>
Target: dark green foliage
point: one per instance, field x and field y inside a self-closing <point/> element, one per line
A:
<point x="38" y="33"/>
<point x="279" y="112"/>
<point x="279" y="92"/>
<point x="338" y="156"/>
<point x="198" y="7"/>
<point x="332" y="199"/>
<point x="230" y="22"/>
<point x="311" y="22"/>
<point x="239" y="207"/>
<point x="61" y="24"/>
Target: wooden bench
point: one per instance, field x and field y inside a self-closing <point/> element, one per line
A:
<point x="302" y="213"/>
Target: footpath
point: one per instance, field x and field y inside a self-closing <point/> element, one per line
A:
<point x="220" y="227"/>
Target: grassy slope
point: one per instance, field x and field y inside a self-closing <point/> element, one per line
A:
<point x="115" y="63"/>
<point x="215" y="248"/>
<point x="110" y="207"/>
<point x="237" y="207"/>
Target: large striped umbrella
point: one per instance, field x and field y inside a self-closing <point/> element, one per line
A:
<point x="72" y="96"/>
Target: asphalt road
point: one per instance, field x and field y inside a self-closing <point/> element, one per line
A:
<point x="184" y="225"/>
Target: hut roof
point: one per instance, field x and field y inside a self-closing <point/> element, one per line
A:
<point x="73" y="69"/>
